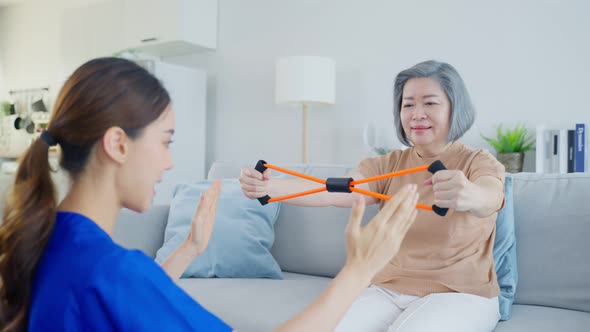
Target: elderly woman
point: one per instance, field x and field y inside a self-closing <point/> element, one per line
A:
<point x="443" y="277"/>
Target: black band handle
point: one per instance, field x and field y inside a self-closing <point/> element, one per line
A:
<point x="433" y="168"/>
<point x="261" y="168"/>
<point x="338" y="185"/>
<point x="436" y="166"/>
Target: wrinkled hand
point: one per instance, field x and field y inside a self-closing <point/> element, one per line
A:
<point x="253" y="183"/>
<point x="204" y="219"/>
<point x="371" y="247"/>
<point x="451" y="190"/>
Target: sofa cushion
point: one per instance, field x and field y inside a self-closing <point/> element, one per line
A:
<point x="505" y="252"/>
<point x="254" y="305"/>
<point x="242" y="236"/>
<point x="552" y="217"/>
<point x="263" y="304"/>
<point x="544" y="319"/>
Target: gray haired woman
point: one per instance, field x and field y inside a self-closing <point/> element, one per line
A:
<point x="443" y="277"/>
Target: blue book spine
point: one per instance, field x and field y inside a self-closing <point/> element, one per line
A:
<point x="580" y="146"/>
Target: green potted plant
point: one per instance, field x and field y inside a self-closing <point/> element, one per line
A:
<point x="510" y="146"/>
<point x="4" y="108"/>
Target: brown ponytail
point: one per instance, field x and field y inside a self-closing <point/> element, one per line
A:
<point x="101" y="94"/>
<point x="27" y="223"/>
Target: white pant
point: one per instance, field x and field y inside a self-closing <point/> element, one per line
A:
<point x="381" y="310"/>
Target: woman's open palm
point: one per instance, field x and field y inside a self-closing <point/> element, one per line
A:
<point x="379" y="241"/>
<point x="204" y="218"/>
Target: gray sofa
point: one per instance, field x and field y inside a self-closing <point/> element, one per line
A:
<point x="552" y="215"/>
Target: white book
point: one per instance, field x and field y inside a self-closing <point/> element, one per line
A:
<point x="540" y="150"/>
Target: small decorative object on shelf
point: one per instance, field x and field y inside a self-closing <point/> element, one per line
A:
<point x="382" y="150"/>
<point x="377" y="140"/>
<point x="510" y="146"/>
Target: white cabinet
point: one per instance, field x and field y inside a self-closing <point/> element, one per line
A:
<point x="170" y="27"/>
<point x="157" y="27"/>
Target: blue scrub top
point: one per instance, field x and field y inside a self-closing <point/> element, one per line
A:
<point x="86" y="282"/>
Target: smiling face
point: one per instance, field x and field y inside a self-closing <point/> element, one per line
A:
<point x="149" y="156"/>
<point x="425" y="114"/>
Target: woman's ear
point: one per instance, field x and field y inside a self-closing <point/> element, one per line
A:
<point x="115" y="144"/>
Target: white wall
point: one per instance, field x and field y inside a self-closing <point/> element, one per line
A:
<point x="30" y="42"/>
<point x="3" y="84"/>
<point x="523" y="61"/>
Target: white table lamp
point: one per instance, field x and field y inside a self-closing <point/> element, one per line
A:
<point x="305" y="81"/>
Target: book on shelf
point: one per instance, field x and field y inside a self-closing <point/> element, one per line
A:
<point x="542" y="150"/>
<point x="561" y="150"/>
<point x="571" y="140"/>
<point x="581" y="151"/>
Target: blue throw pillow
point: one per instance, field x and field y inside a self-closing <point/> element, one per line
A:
<point x="242" y="236"/>
<point x="505" y="253"/>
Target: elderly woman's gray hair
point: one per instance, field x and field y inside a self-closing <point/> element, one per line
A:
<point x="462" y="111"/>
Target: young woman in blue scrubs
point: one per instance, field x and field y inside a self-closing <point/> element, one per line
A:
<point x="60" y="269"/>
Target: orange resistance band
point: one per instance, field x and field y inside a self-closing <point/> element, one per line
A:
<point x="351" y="184"/>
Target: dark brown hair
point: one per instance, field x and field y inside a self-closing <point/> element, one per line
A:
<point x="102" y="93"/>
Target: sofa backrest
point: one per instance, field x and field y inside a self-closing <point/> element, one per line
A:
<point x="552" y="219"/>
<point x="144" y="231"/>
<point x="311" y="240"/>
<point x="308" y="240"/>
<point x="552" y="216"/>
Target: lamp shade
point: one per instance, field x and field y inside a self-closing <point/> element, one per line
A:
<point x="305" y="80"/>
